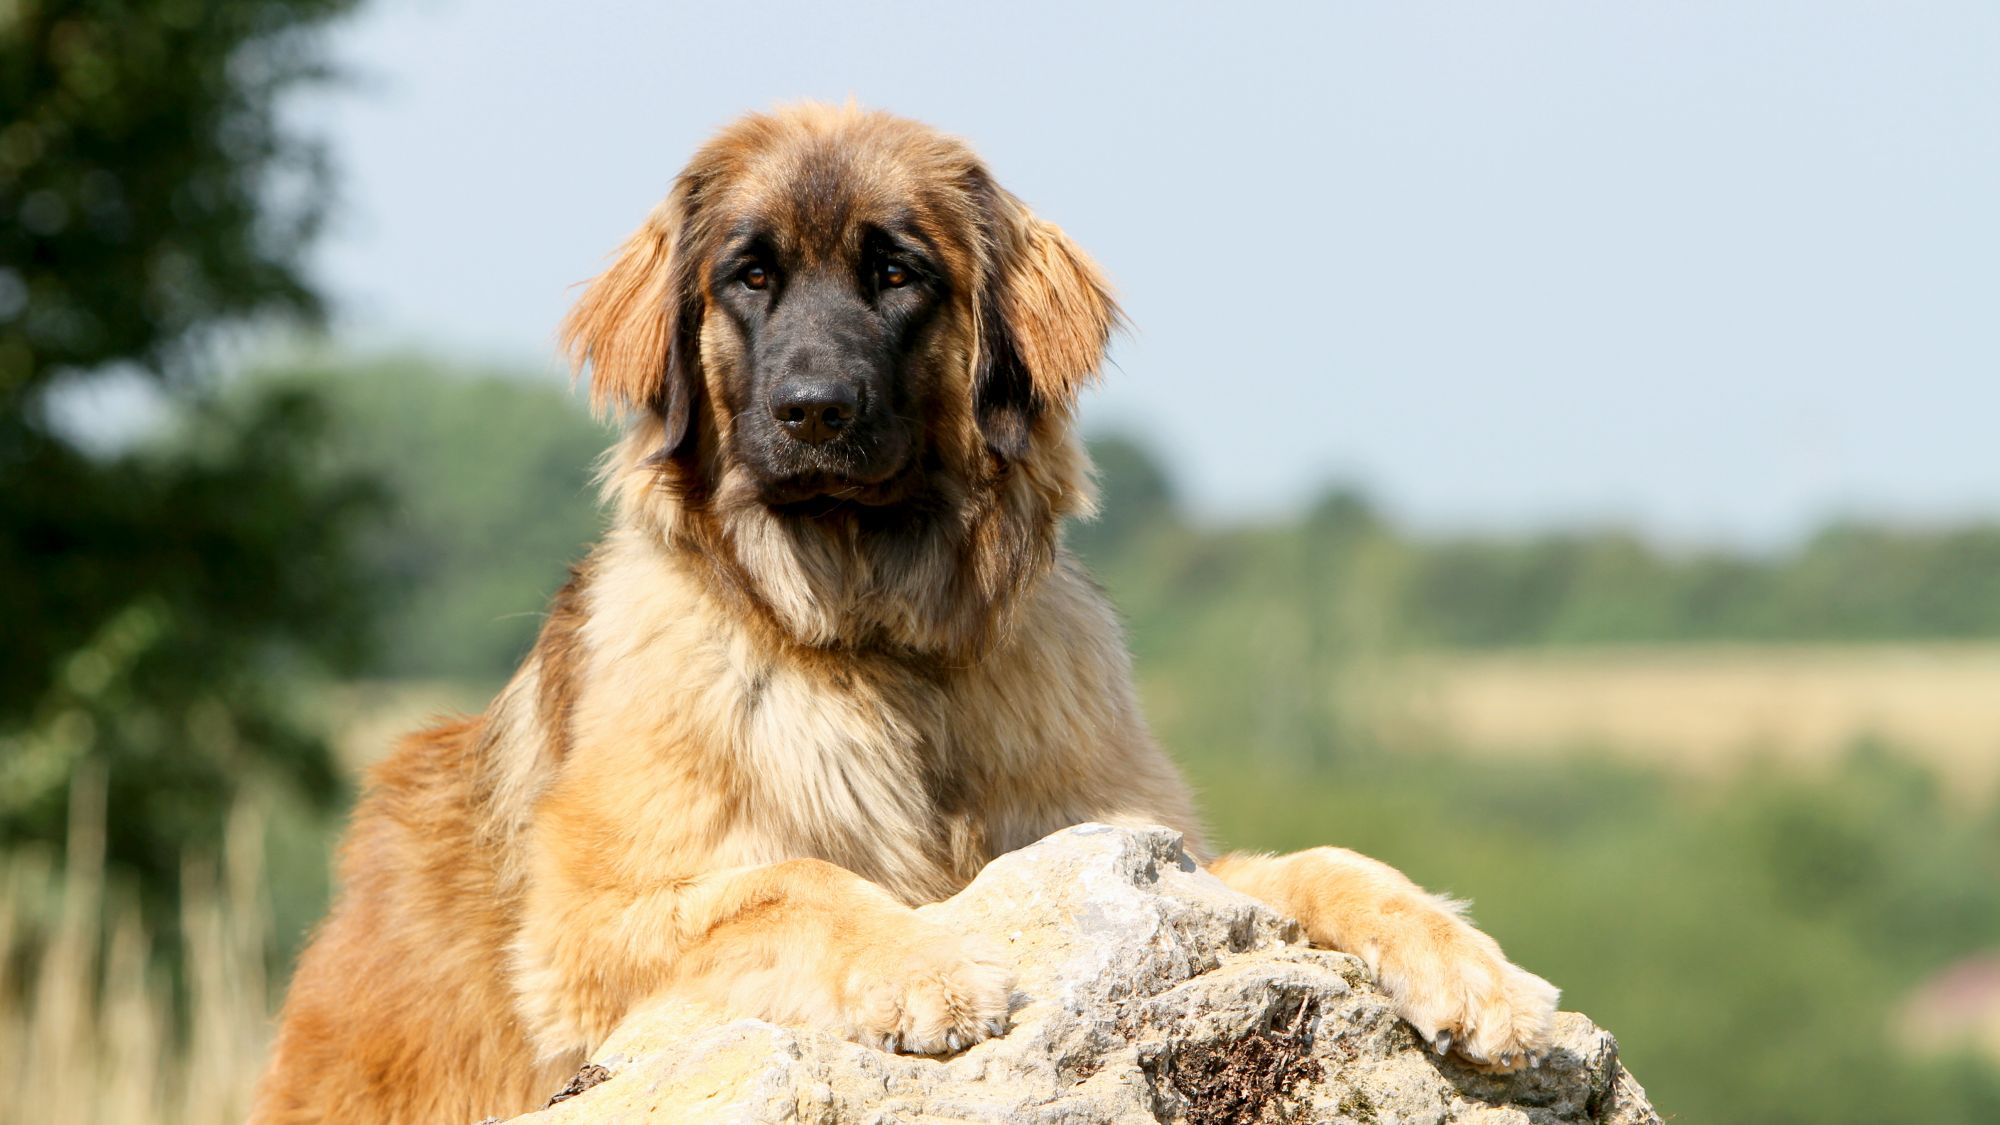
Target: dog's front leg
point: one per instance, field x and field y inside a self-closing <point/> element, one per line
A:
<point x="1448" y="979"/>
<point x="802" y="941"/>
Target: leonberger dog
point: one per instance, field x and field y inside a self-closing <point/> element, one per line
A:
<point x="830" y="660"/>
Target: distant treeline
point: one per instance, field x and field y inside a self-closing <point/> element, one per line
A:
<point x="490" y="479"/>
<point x="1852" y="581"/>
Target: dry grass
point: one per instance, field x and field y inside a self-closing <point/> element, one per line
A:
<point x="1711" y="709"/>
<point x="92" y="1031"/>
<point x="89" y="1030"/>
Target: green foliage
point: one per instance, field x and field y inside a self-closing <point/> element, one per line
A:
<point x="490" y="502"/>
<point x="146" y="190"/>
<point x="163" y="608"/>
<point x="162" y="604"/>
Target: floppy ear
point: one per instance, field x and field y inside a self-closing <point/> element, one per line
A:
<point x="636" y="326"/>
<point x="1045" y="319"/>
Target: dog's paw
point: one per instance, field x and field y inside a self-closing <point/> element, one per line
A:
<point x="929" y="993"/>
<point x="1464" y="997"/>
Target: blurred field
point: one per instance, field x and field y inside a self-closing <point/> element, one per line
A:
<point x="1710" y="709"/>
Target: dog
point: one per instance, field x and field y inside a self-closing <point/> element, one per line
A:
<point x="829" y="661"/>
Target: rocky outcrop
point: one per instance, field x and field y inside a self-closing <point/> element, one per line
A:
<point x="1146" y="991"/>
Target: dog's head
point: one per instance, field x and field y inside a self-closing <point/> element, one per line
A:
<point x="838" y="328"/>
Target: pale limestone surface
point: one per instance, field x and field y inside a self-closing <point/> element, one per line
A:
<point x="1146" y="991"/>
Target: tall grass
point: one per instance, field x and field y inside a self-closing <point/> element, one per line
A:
<point x="93" y="1028"/>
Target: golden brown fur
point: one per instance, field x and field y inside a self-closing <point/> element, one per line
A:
<point x="747" y="743"/>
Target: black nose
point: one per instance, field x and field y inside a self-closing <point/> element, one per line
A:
<point x="814" y="411"/>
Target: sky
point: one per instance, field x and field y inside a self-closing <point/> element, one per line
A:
<point x="1717" y="271"/>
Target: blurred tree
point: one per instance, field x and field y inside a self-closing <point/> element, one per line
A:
<point x="147" y="190"/>
<point x="491" y="499"/>
<point x="158" y="602"/>
<point x="1134" y="496"/>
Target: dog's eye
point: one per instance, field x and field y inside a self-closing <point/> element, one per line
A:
<point x="894" y="276"/>
<point x="756" y="277"/>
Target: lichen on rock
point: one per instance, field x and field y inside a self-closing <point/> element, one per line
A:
<point x="1146" y="991"/>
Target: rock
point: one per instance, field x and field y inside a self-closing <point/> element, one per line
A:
<point x="1147" y="991"/>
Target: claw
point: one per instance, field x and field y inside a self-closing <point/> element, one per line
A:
<point x="1535" y="1058"/>
<point x="995" y="1028"/>
<point x="1442" y="1044"/>
<point x="892" y="1043"/>
<point x="954" y="1042"/>
<point x="1507" y="1061"/>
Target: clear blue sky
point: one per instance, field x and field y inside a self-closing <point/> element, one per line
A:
<point x="1716" y="270"/>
